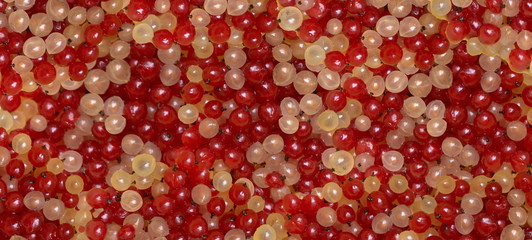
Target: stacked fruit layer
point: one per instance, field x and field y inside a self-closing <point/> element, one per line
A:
<point x="266" y="119"/>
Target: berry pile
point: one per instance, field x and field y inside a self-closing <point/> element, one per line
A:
<point x="266" y="119"/>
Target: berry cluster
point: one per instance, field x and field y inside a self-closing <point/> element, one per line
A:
<point x="266" y="119"/>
